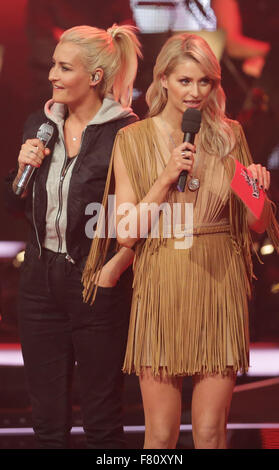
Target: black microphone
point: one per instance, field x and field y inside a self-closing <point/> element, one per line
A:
<point x="191" y="123"/>
<point x="44" y="134"/>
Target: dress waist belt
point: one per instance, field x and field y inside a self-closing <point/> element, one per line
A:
<point x="188" y="233"/>
<point x="209" y="229"/>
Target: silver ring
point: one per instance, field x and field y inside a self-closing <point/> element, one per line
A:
<point x="183" y="153"/>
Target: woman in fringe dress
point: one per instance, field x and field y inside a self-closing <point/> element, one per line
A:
<point x="189" y="312"/>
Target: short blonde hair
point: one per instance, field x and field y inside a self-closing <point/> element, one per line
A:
<point x="115" y="51"/>
<point x="216" y="133"/>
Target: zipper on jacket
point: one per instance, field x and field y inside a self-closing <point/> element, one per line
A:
<point x="60" y="195"/>
<point x="60" y="202"/>
<point x="33" y="217"/>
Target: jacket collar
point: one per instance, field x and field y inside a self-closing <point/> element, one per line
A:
<point x="110" y="110"/>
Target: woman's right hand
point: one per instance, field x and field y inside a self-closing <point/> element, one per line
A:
<point x="182" y="158"/>
<point x="32" y="152"/>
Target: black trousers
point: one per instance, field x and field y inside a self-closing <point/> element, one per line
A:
<point x="58" y="329"/>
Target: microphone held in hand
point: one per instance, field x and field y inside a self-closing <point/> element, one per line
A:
<point x="191" y="123"/>
<point x="44" y="134"/>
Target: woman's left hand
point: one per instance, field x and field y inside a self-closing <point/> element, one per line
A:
<point x="113" y="269"/>
<point x="108" y="278"/>
<point x="261" y="175"/>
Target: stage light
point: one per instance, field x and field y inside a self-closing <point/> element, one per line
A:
<point x="18" y="260"/>
<point x="275" y="288"/>
<point x="267" y="248"/>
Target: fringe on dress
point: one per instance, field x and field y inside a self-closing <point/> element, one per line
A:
<point x="189" y="311"/>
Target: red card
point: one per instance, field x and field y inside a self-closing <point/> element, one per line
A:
<point x="245" y="187"/>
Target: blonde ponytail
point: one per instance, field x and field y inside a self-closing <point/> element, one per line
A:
<point x="128" y="50"/>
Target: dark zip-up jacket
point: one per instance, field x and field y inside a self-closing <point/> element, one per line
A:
<point x="86" y="185"/>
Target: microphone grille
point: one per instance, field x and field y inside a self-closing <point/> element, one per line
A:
<point x="191" y="121"/>
<point x="45" y="132"/>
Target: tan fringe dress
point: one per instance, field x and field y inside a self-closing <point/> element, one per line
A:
<point x="189" y="311"/>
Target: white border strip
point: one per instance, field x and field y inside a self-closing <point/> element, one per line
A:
<point x="264" y="360"/>
<point x="257" y="384"/>
<point x="140" y="429"/>
<point x="9" y="249"/>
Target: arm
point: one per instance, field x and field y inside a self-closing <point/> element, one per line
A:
<point x="112" y="270"/>
<point x="32" y="153"/>
<point x="238" y="45"/>
<point x="260" y="173"/>
<point x="157" y="194"/>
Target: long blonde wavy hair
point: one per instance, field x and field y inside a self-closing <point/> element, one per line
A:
<point x="115" y="51"/>
<point x="216" y="135"/>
